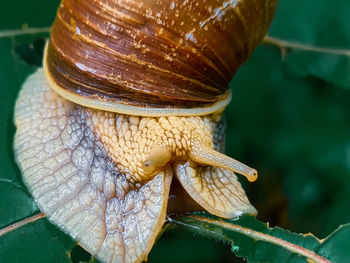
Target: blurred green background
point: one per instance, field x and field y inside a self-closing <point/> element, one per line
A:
<point x="289" y="118"/>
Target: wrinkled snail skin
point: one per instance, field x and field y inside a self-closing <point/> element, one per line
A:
<point x="129" y="99"/>
<point x="75" y="182"/>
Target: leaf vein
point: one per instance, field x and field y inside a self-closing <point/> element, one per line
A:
<point x="21" y="223"/>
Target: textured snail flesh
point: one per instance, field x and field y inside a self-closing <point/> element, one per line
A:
<point x="104" y="178"/>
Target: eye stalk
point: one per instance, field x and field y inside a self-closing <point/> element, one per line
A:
<point x="251" y="175"/>
<point x="157" y="158"/>
<point x="208" y="156"/>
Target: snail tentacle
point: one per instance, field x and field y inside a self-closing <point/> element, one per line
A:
<point x="205" y="155"/>
<point x="158" y="157"/>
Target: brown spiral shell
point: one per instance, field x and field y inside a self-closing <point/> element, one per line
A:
<point x="155" y="53"/>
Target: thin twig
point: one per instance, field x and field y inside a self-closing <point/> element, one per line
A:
<point x="24" y="31"/>
<point x="283" y="44"/>
<point x="21" y="223"/>
<point x="259" y="236"/>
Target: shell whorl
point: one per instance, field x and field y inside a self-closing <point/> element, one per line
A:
<point x="153" y="54"/>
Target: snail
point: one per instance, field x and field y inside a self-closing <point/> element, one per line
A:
<point x="130" y="98"/>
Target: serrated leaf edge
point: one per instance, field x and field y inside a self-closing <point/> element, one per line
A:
<point x="310" y="255"/>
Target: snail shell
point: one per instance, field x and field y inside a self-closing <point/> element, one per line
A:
<point x="152" y="58"/>
<point x="131" y="95"/>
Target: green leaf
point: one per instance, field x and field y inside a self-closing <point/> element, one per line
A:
<point x="300" y="60"/>
<point x="336" y="246"/>
<point x="315" y="39"/>
<point x="34" y="240"/>
<point x="16" y="14"/>
<point x="315" y="22"/>
<point x="256" y="241"/>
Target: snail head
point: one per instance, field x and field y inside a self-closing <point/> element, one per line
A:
<point x="144" y="146"/>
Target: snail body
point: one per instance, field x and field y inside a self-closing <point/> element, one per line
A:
<point x="131" y="96"/>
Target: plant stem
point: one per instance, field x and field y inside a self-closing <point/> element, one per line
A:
<point x="24" y="31"/>
<point x="283" y="44"/>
